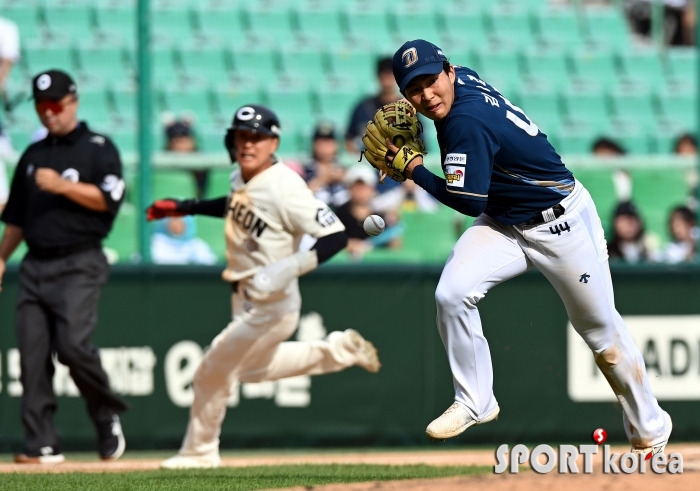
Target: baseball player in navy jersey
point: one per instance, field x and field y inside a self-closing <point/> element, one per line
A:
<point x="532" y="212"/>
<point x="267" y="213"/>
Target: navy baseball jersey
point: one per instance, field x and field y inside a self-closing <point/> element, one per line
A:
<point x="491" y="151"/>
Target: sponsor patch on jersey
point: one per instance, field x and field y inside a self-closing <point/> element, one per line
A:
<point x="71" y="175"/>
<point x="98" y="140"/>
<point x="454" y="174"/>
<point x="456" y="159"/>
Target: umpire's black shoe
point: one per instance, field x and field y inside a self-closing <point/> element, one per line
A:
<point x="110" y="439"/>
<point x="45" y="455"/>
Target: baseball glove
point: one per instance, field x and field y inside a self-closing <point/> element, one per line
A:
<point x="398" y="122"/>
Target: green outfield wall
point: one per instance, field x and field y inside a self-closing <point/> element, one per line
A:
<point x="154" y="323"/>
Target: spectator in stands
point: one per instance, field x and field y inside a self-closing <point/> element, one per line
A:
<point x="679" y="19"/>
<point x="9" y="54"/>
<point x="606" y="147"/>
<point x="686" y="145"/>
<point x="627" y="242"/>
<point x="324" y="174"/>
<point x="180" y="138"/>
<point x="683" y="228"/>
<point x="361" y="181"/>
<point x="365" y="109"/>
<point x="175" y="242"/>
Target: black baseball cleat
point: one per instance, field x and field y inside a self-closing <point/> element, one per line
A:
<point x="110" y="439"/>
<point x="45" y="455"/>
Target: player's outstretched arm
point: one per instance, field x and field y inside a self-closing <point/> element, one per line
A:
<point x="170" y="207"/>
<point x="277" y="275"/>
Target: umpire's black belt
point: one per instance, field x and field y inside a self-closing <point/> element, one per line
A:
<point x="545" y="216"/>
<point x="58" y="252"/>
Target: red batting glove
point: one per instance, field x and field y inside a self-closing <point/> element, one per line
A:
<point x="164" y="208"/>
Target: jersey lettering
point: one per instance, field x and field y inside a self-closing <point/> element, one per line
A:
<point x="246" y="219"/>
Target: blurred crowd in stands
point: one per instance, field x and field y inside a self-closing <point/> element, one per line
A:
<point x="354" y="192"/>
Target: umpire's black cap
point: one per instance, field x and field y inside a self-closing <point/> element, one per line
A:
<point x="53" y="84"/>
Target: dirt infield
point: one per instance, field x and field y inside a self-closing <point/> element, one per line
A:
<point x="526" y="480"/>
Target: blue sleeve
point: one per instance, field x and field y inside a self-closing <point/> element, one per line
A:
<point x="469" y="150"/>
<point x="436" y="187"/>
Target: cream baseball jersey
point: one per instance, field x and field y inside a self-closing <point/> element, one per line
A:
<point x="267" y="217"/>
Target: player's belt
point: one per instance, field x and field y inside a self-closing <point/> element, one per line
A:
<point x="545" y="216"/>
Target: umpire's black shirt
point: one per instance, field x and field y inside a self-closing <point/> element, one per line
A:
<point x="51" y="221"/>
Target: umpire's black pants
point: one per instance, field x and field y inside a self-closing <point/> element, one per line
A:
<point x="57" y="313"/>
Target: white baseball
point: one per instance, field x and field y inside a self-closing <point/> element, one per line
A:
<point x="374" y="225"/>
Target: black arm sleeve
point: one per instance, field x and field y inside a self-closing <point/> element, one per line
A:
<point x="435" y="185"/>
<point x="328" y="246"/>
<point x="211" y="207"/>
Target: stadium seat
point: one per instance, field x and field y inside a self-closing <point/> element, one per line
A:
<point x="172" y="25"/>
<point x="95" y="108"/>
<point x="354" y="66"/>
<point x="206" y="64"/>
<point x="293" y="105"/>
<point x="307" y="64"/>
<point x="500" y="68"/>
<point x="371" y="25"/>
<point x="321" y="24"/>
<point x="28" y="20"/>
<point x="271" y="23"/>
<point x="590" y="108"/>
<point x="431" y="236"/>
<point x="38" y="59"/>
<point x="683" y="65"/>
<point x="596" y="67"/>
<point x="510" y="27"/>
<point x="560" y="28"/>
<point x="550" y="67"/>
<point x="198" y="103"/>
<point x="73" y="22"/>
<point x="221" y="25"/>
<point x="643" y="68"/>
<point x="454" y="20"/>
<point x="416" y="23"/>
<point x="543" y="106"/>
<point x="607" y="27"/>
<point x="109" y="64"/>
<point x="336" y="104"/>
<point x="576" y="139"/>
<point x="635" y="105"/>
<point x="165" y="70"/>
<point x="20" y="137"/>
<point x="229" y="98"/>
<point x="124" y="138"/>
<point x="117" y="25"/>
<point x="125" y="103"/>
<point x="679" y="108"/>
<point x="257" y="64"/>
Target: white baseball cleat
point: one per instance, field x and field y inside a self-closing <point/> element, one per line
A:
<point x="367" y="356"/>
<point x="191" y="462"/>
<point x="649" y="452"/>
<point x="454" y="421"/>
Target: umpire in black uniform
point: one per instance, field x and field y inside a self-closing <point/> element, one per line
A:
<point x="65" y="193"/>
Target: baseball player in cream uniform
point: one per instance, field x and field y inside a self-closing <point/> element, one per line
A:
<point x="267" y="213"/>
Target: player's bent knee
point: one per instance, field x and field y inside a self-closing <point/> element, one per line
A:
<point x="448" y="298"/>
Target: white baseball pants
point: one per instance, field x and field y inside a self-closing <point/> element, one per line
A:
<point x="252" y="349"/>
<point x="572" y="254"/>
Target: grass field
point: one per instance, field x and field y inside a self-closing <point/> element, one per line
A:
<point x="230" y="479"/>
